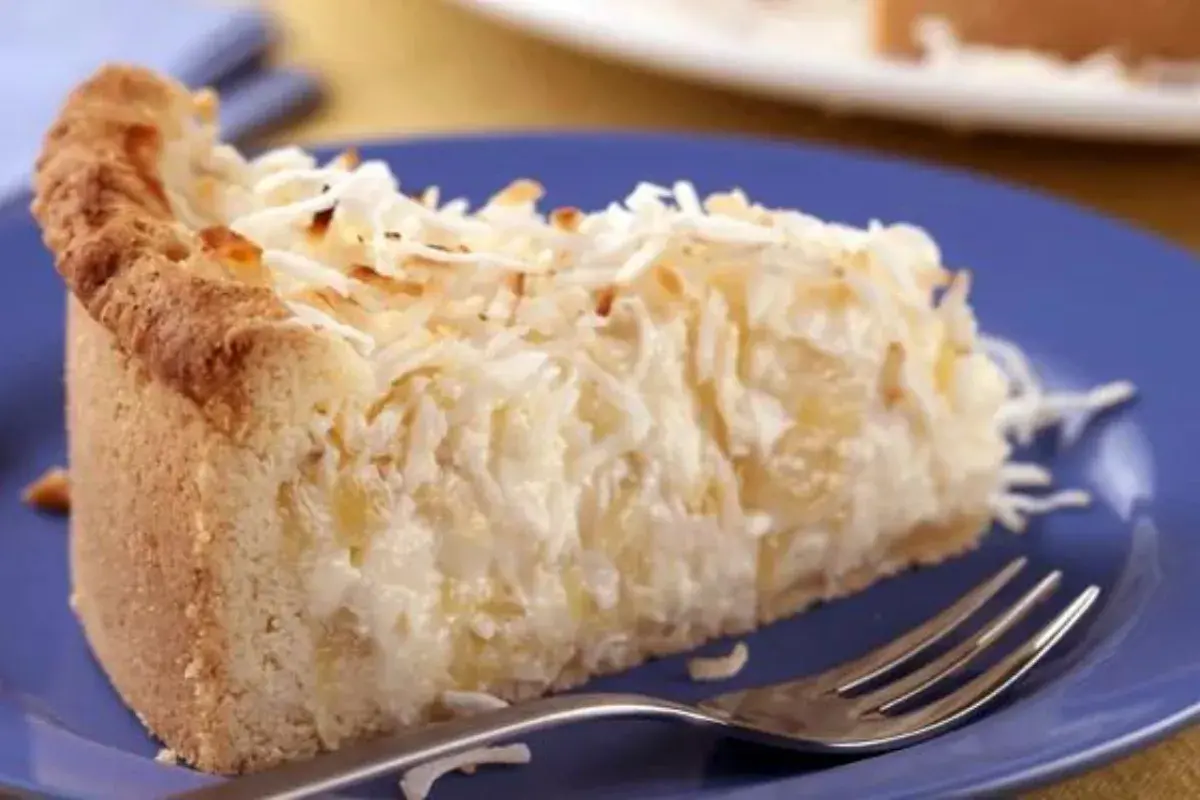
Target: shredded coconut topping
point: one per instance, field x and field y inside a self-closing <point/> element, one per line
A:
<point x="418" y="781"/>
<point x="1028" y="410"/>
<point x="720" y="668"/>
<point x="586" y="424"/>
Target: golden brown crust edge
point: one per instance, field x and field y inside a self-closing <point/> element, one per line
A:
<point x="104" y="214"/>
<point x="178" y="380"/>
<point x="1074" y="29"/>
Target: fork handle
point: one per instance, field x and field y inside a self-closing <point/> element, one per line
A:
<point x="401" y="751"/>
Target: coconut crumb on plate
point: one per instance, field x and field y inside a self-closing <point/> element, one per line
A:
<point x="720" y="668"/>
<point x="418" y="781"/>
<point x="464" y="704"/>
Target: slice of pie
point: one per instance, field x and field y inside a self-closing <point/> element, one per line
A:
<point x="337" y="449"/>
<point x="1149" y="30"/>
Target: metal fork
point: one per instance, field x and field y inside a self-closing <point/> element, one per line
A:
<point x="849" y="710"/>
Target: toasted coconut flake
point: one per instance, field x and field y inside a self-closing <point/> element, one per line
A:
<point x="242" y="257"/>
<point x="566" y="218"/>
<point x="418" y="781"/>
<point x="390" y="286"/>
<point x="519" y="192"/>
<point x="348" y="158"/>
<point x="721" y="667"/>
<point x="424" y="262"/>
<point x="891" y="385"/>
<point x="515" y="281"/>
<point x="320" y="223"/>
<point x="50" y="492"/>
<point x="604" y="300"/>
<point x="325" y="297"/>
<point x="229" y="244"/>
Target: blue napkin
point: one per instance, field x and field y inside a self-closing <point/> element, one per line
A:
<point x="48" y="46"/>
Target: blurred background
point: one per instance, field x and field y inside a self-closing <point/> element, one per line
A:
<point x="317" y="70"/>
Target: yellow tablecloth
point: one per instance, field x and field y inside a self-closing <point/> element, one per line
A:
<point x="420" y="66"/>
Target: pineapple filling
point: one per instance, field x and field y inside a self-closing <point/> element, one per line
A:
<point x="650" y="421"/>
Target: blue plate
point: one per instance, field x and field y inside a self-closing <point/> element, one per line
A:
<point x="1089" y="300"/>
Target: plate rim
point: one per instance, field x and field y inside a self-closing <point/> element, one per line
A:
<point x="904" y="92"/>
<point x="1052" y="771"/>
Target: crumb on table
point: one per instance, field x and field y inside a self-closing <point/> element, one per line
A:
<point x="50" y="492"/>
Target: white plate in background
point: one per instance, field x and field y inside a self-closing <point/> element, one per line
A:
<point x="819" y="53"/>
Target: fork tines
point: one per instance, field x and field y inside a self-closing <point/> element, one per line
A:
<point x="868" y="681"/>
